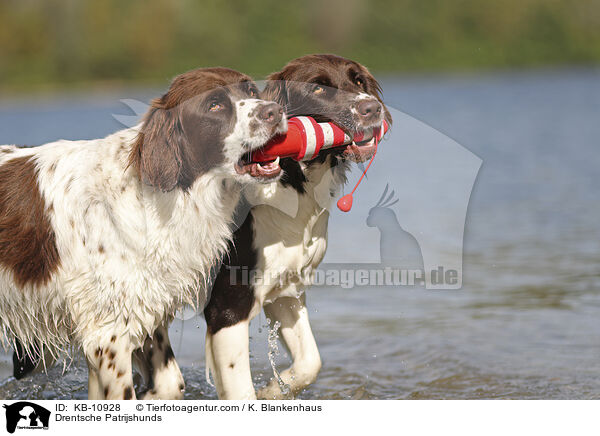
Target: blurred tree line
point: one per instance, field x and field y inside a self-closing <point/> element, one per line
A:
<point x="62" y="42"/>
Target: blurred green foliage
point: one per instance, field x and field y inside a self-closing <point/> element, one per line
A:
<point x="64" y="42"/>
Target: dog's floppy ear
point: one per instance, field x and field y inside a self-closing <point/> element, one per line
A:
<point x="277" y="90"/>
<point x="157" y="152"/>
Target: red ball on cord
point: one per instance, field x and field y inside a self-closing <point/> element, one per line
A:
<point x="345" y="203"/>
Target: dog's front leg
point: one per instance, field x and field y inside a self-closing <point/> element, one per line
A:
<point x="228" y="356"/>
<point x="161" y="371"/>
<point x="110" y="370"/>
<point x="297" y="336"/>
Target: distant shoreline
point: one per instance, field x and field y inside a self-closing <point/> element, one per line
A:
<point x="40" y="93"/>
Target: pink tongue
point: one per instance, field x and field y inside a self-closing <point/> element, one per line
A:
<point x="255" y="170"/>
<point x="268" y="170"/>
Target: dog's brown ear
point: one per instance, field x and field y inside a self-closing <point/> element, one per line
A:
<point x="276" y="90"/>
<point x="157" y="152"/>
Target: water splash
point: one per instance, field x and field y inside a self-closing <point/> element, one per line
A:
<point x="273" y="353"/>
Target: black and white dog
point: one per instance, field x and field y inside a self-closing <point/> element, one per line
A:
<point x="101" y="241"/>
<point x="286" y="247"/>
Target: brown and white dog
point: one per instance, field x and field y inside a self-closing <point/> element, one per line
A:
<point x="285" y="248"/>
<point x="102" y="240"/>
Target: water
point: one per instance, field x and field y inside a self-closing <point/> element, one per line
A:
<point x="525" y="323"/>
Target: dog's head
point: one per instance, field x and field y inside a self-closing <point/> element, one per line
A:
<point x="206" y="122"/>
<point x="330" y="88"/>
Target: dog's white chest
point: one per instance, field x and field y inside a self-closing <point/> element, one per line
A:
<point x="287" y="266"/>
<point x="289" y="247"/>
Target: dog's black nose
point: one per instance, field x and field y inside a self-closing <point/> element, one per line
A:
<point x="271" y="113"/>
<point x="368" y="108"/>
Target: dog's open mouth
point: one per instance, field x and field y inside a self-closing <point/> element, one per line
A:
<point x="264" y="170"/>
<point x="360" y="151"/>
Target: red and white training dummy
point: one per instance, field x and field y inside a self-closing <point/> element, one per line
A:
<point x="305" y="138"/>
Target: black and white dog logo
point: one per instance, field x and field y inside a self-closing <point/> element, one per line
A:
<point x="26" y="415"/>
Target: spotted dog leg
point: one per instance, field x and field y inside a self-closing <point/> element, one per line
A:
<point x="111" y="376"/>
<point x="297" y="336"/>
<point x="159" y="368"/>
<point x="228" y="356"/>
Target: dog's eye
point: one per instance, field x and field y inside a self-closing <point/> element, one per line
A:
<point x="318" y="90"/>
<point x="215" y="106"/>
<point x="358" y="81"/>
